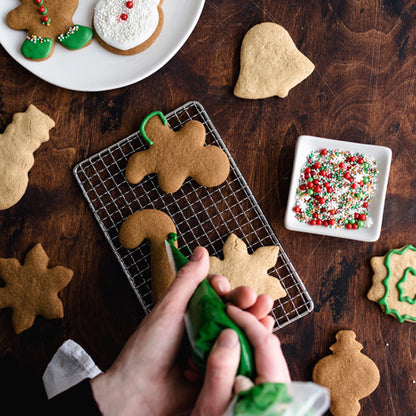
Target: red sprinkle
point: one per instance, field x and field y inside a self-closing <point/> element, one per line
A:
<point x="123" y="16"/>
<point x="355" y="226"/>
<point x="324" y="152"/>
<point x="312" y="222"/>
<point x="317" y="165"/>
<point x="360" y="160"/>
<point x="296" y="209"/>
<point x="41" y="9"/>
<point x="318" y="222"/>
<point x="363" y="217"/>
<point x="129" y="4"/>
<point x="331" y="221"/>
<point x="349" y="226"/>
<point x="332" y="212"/>
<point x="310" y="185"/>
<point x="342" y="165"/>
<point x="356" y="215"/>
<point x="45" y="19"/>
<point x="354" y="186"/>
<point x="322" y="172"/>
<point x="315" y="215"/>
<point x="321" y="200"/>
<point x="365" y="204"/>
<point x="308" y="170"/>
<point x="316" y="181"/>
<point x="317" y="189"/>
<point x="325" y="223"/>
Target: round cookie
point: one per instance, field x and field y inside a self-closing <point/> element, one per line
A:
<point x="127" y="27"/>
<point x="47" y="21"/>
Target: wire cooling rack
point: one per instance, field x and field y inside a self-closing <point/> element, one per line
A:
<point x="203" y="216"/>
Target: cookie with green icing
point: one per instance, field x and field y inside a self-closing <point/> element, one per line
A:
<point x="47" y="22"/>
<point x="394" y="283"/>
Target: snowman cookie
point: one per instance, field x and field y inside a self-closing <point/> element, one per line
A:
<point x="46" y="22"/>
<point x="127" y="27"/>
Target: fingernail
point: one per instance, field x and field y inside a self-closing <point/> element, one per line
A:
<point x="197" y="254"/>
<point x="223" y="285"/>
<point x="227" y="339"/>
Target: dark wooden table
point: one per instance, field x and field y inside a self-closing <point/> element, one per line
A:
<point x="361" y="90"/>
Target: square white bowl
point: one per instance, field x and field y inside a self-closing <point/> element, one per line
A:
<point x="307" y="144"/>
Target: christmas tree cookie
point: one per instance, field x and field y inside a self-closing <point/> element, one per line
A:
<point x="46" y="22"/>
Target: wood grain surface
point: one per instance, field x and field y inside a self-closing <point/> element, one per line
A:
<point x="363" y="90"/>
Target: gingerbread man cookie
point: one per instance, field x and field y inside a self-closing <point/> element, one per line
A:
<point x="127" y="27"/>
<point x="244" y="269"/>
<point x="155" y="226"/>
<point x="32" y="288"/>
<point x="47" y="21"/>
<point x="176" y="155"/>
<point x="394" y="283"/>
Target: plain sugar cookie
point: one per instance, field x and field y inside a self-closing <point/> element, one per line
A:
<point x="270" y="63"/>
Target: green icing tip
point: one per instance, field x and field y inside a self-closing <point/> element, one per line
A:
<point x="146" y="119"/>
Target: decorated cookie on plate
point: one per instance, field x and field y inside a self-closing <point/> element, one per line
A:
<point x="127" y="27"/>
<point x="46" y="22"/>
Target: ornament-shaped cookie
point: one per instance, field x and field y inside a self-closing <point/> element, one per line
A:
<point x="174" y="156"/>
<point x="244" y="269"/>
<point x="21" y="138"/>
<point x="155" y="226"/>
<point x="32" y="289"/>
<point x="394" y="283"/>
<point x="270" y="63"/>
<point x="46" y="22"/>
<point x="348" y="374"/>
<point x="127" y="27"/>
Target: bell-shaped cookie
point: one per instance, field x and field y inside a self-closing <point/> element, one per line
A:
<point x="270" y="63"/>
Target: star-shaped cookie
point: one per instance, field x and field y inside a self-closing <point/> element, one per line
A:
<point x="32" y="289"/>
<point x="244" y="269"/>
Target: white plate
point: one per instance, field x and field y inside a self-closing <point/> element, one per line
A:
<point x="307" y="144"/>
<point x="94" y="68"/>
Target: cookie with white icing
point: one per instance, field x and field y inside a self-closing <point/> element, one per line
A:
<point x="127" y="27"/>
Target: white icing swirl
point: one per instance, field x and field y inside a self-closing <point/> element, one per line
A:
<point x="142" y="20"/>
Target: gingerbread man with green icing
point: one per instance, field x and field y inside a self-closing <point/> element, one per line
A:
<point x="47" y="21"/>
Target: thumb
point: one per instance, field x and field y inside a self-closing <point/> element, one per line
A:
<point x="187" y="279"/>
<point x="222" y="366"/>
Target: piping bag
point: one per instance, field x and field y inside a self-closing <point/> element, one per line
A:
<point x="205" y="318"/>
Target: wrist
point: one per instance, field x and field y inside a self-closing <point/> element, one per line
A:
<point x="112" y="396"/>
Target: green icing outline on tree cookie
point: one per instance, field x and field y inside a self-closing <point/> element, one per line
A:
<point x="403" y="298"/>
<point x="383" y="301"/>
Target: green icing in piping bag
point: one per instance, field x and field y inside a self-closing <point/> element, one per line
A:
<point x="206" y="317"/>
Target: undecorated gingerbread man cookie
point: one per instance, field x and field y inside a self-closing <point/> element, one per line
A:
<point x="47" y="21"/>
<point x="174" y="156"/>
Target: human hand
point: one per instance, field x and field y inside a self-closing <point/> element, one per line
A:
<point x="223" y="361"/>
<point x="147" y="378"/>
